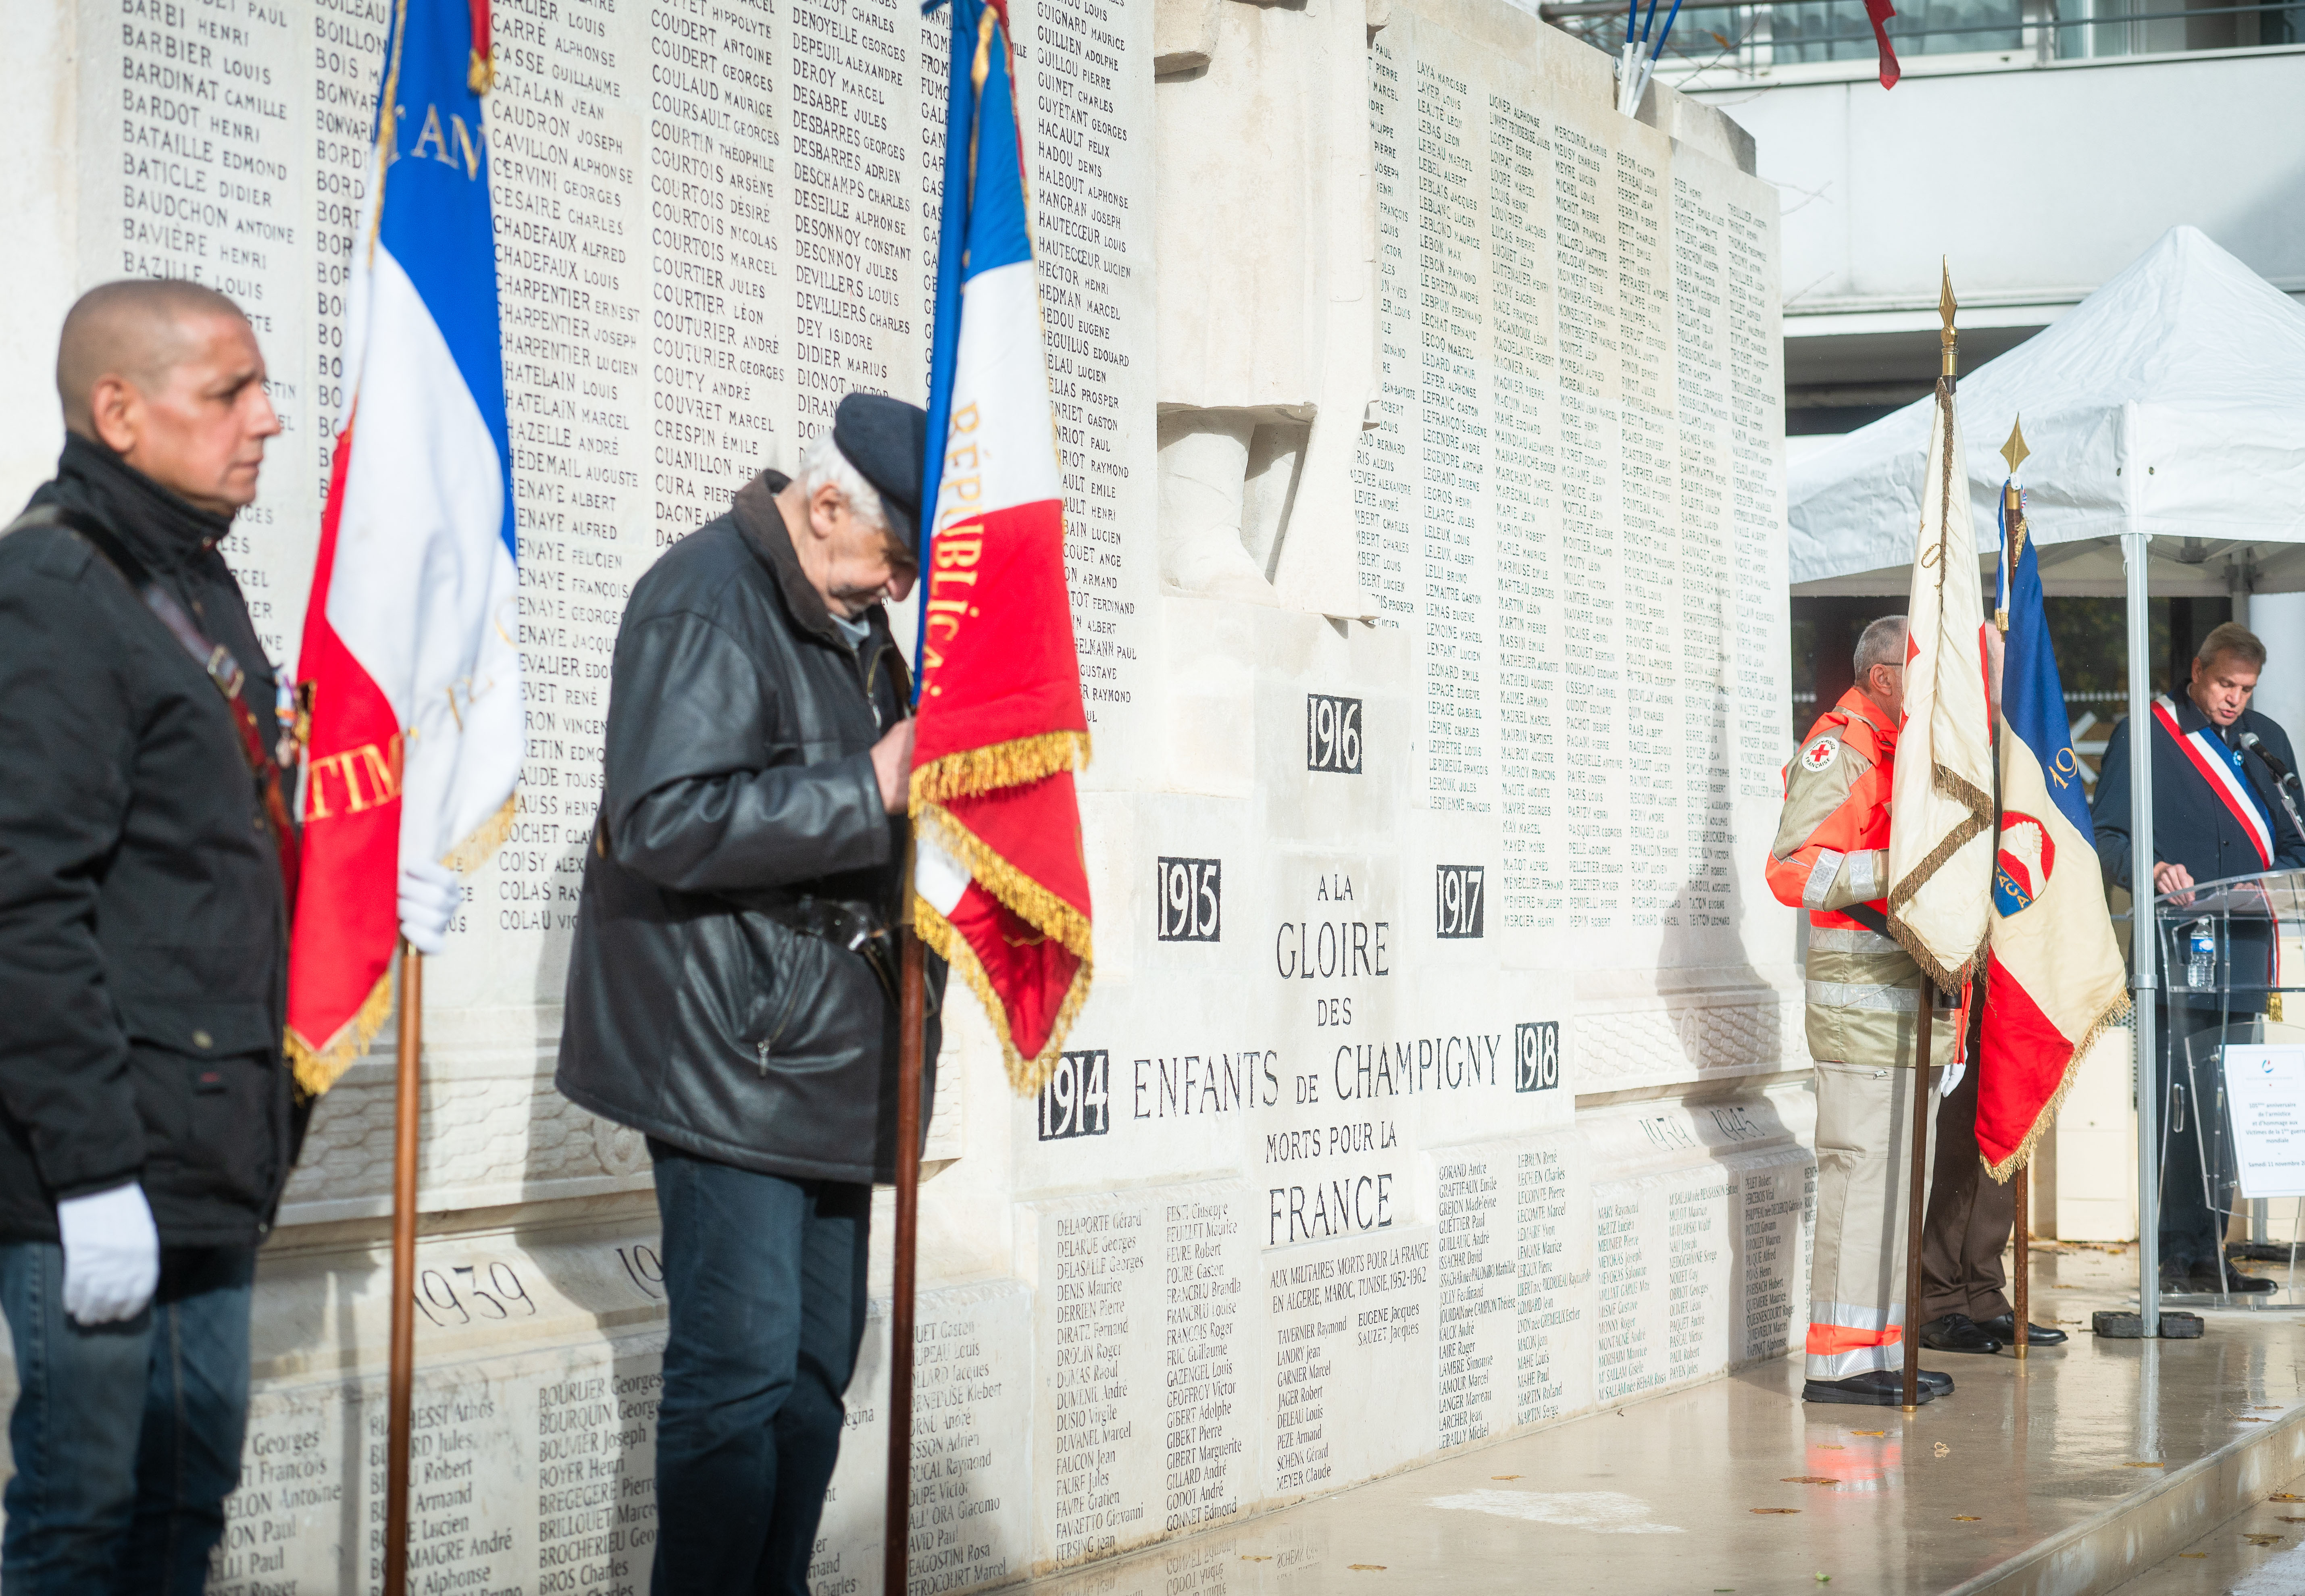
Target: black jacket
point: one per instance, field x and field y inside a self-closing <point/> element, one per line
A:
<point x="143" y="947"/>
<point x="2192" y="827"/>
<point x="739" y="782"/>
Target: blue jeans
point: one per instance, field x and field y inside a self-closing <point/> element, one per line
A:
<point x="127" y="1436"/>
<point x="764" y="1278"/>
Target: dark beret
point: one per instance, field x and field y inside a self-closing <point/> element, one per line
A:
<point x="886" y="439"/>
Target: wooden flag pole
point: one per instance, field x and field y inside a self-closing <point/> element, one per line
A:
<point x="407" y="1108"/>
<point x="2023" y="1227"/>
<point x="910" y="1011"/>
<point x="1920" y="1165"/>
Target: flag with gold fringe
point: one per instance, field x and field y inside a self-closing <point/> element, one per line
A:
<point x="2054" y="980"/>
<point x="409" y="666"/>
<point x="1941" y="835"/>
<point x="1000" y="882"/>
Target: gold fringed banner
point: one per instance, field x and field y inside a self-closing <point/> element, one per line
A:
<point x="1022" y="895"/>
<point x="318" y="1068"/>
<point x="1027" y="1076"/>
<point x="976" y="770"/>
<point x="2116" y="1017"/>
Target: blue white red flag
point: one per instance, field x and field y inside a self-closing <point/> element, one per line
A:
<point x="409" y="652"/>
<point x="1000" y="882"/>
<point x="2054" y="984"/>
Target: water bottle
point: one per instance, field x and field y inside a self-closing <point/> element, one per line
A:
<point x="2202" y="956"/>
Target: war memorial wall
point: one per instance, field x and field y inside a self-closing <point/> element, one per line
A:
<point x="1442" y="1079"/>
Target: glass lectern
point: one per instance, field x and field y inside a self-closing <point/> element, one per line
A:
<point x="2231" y="952"/>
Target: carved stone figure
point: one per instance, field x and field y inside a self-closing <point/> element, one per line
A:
<point x="1265" y="232"/>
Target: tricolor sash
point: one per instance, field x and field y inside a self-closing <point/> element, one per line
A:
<point x="2218" y="767"/>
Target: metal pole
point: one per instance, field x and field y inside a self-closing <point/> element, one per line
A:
<point x="911" y="1007"/>
<point x="1920" y="1166"/>
<point x="2144" y="952"/>
<point x="407" y="1110"/>
<point x="2023" y="1229"/>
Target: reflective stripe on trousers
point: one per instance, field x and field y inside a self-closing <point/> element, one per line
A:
<point x="1857" y="1260"/>
<point x="1846" y="1338"/>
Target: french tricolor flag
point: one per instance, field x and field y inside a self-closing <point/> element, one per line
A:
<point x="2054" y="985"/>
<point x="409" y="657"/>
<point x="1000" y="882"/>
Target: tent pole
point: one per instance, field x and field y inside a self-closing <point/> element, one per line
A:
<point x="2144" y="956"/>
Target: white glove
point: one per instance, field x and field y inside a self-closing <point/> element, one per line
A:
<point x="429" y="898"/>
<point x="112" y="1254"/>
<point x="1950" y="1079"/>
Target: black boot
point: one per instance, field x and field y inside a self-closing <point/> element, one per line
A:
<point x="2004" y="1329"/>
<point x="1875" y="1387"/>
<point x="1957" y="1332"/>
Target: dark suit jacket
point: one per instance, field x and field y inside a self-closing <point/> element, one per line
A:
<point x="2192" y="827"/>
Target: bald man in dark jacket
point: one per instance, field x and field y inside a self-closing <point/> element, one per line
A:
<point x="146" y="1121"/>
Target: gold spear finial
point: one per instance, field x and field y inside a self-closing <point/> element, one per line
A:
<point x="1946" y="306"/>
<point x="2014" y="451"/>
<point x="2012" y="505"/>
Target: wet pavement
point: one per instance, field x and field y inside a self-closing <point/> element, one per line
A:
<point x="2068" y="1473"/>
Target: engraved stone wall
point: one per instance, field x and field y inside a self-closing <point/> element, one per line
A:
<point x="1436" y="1082"/>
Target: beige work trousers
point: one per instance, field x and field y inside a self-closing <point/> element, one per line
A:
<point x="1864" y="1199"/>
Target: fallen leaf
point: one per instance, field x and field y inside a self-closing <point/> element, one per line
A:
<point x="1504" y="1476"/>
<point x="2265" y="1539"/>
<point x="1772" y="1509"/>
<point x="2245" y="1419"/>
<point x="1967" y="1518"/>
<point x="1868" y="1432"/>
<point x="2285" y="1496"/>
<point x="2145" y="1465"/>
<point x="1811" y="1479"/>
<point x="1247" y="1558"/>
<point x="2192" y="1554"/>
<point x="1829" y="1447"/>
<point x="2288" y="1520"/>
<point x="1369" y="1568"/>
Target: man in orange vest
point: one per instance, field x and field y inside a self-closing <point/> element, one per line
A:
<point x="1865" y="992"/>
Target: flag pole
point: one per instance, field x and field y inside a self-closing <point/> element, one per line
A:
<point x="2023" y="1227"/>
<point x="407" y="1107"/>
<point x="1921" y="1160"/>
<point x="911" y="1004"/>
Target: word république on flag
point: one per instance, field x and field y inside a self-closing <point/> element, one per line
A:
<point x="410" y="662"/>
<point x="999" y="878"/>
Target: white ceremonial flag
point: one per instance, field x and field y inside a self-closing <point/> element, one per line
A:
<point x="1941" y="814"/>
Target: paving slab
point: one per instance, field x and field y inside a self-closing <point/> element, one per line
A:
<point x="2080" y="1469"/>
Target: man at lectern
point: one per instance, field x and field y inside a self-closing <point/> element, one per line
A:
<point x="147" y="1124"/>
<point x="732" y="990"/>
<point x="1865" y="992"/>
<point x="2218" y="772"/>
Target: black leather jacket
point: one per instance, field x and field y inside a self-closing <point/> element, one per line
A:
<point x="739" y="782"/>
<point x="143" y="947"/>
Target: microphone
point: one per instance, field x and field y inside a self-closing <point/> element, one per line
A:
<point x="2281" y="773"/>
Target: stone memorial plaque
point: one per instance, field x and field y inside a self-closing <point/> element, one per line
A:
<point x="1386" y="884"/>
<point x="1145" y="1412"/>
<point x="1348" y="1332"/>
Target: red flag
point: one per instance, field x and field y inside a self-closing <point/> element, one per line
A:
<point x="1878" y="12"/>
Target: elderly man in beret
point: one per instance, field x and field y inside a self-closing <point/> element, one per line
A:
<point x="732" y="986"/>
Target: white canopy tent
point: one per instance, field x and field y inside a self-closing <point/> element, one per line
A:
<point x="2166" y="416"/>
<point x="2170" y="402"/>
